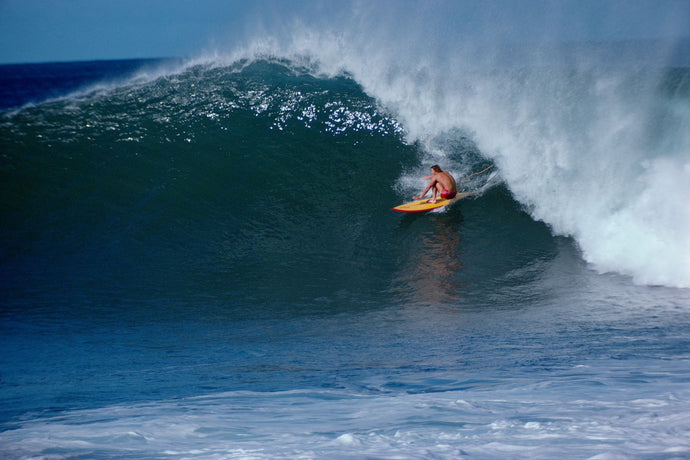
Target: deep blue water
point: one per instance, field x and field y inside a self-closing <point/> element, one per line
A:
<point x="199" y="261"/>
<point x="31" y="83"/>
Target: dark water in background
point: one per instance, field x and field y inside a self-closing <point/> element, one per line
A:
<point x="34" y="83"/>
<point x="201" y="261"/>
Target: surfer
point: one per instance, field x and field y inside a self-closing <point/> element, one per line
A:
<point x="440" y="182"/>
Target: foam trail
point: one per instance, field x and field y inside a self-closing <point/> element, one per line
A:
<point x="595" y="150"/>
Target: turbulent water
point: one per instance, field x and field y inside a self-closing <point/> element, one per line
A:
<point x="199" y="260"/>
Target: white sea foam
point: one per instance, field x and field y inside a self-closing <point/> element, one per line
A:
<point x="540" y="420"/>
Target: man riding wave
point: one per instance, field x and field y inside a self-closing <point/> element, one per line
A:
<point x="441" y="182"/>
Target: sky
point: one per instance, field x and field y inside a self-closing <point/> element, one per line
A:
<point x="74" y="30"/>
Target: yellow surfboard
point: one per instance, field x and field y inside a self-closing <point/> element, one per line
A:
<point x="423" y="205"/>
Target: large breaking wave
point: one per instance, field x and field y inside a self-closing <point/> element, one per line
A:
<point x="592" y="139"/>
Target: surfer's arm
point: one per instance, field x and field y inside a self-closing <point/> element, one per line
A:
<point x="424" y="192"/>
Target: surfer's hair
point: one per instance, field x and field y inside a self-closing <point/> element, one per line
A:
<point x="436" y="168"/>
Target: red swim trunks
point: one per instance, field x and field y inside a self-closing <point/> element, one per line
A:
<point x="447" y="195"/>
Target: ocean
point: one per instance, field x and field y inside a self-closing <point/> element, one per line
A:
<point x="198" y="258"/>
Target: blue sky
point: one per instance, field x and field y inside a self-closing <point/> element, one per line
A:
<point x="59" y="30"/>
<point x="69" y="30"/>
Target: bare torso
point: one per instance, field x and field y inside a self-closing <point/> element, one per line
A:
<point x="446" y="181"/>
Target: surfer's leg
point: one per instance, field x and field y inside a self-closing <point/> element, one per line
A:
<point x="437" y="188"/>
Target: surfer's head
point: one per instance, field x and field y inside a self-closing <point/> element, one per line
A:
<point x="436" y="168"/>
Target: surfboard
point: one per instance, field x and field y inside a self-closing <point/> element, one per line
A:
<point x="423" y="206"/>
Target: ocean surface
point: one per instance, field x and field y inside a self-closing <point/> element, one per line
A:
<point x="198" y="259"/>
